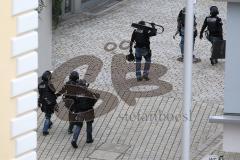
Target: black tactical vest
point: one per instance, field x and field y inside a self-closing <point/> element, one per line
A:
<point x="214" y="26"/>
<point x="47" y="96"/>
<point x="141" y="38"/>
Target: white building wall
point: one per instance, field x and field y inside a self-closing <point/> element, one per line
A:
<point x="232" y="76"/>
<point x="77" y="6"/>
<point x="231" y="142"/>
<point x="23" y="47"/>
<point x="45" y="38"/>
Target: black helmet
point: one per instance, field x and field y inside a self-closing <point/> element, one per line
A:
<point x="130" y="57"/>
<point x="214" y="11"/>
<point x="141" y="23"/>
<point x="74" y="76"/>
<point x="184" y="10"/>
<point x="46" y="76"/>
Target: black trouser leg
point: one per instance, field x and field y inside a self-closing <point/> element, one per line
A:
<point x="89" y="131"/>
<point x="70" y="128"/>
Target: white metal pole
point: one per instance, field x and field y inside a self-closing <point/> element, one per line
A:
<point x="188" y="49"/>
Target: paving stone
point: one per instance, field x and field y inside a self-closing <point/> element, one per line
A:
<point x="118" y="148"/>
<point x="105" y="155"/>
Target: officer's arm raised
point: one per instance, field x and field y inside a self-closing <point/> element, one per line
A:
<point x="153" y="32"/>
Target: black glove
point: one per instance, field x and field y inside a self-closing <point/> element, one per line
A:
<point x="130" y="57"/>
<point x="201" y="36"/>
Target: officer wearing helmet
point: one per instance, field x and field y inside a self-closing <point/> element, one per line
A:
<point x="214" y="26"/>
<point x="73" y="80"/>
<point x="141" y="38"/>
<point x="74" y="95"/>
<point x="47" y="100"/>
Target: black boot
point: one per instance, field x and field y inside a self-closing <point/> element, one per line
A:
<point x="212" y="61"/>
<point x="146" y="78"/>
<point x="45" y="133"/>
<point x="89" y="137"/>
<point x="89" y="132"/>
<point x="139" y="79"/>
<point x="74" y="144"/>
<point x="89" y="141"/>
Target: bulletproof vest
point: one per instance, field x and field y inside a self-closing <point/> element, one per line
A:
<point x="71" y="91"/>
<point x="72" y="88"/>
<point x="214" y="26"/>
<point x="47" y="96"/>
<point x="43" y="89"/>
<point x="141" y="38"/>
<point x="70" y="98"/>
<point x="83" y="99"/>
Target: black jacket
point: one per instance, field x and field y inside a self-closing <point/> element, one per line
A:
<point x="77" y="97"/>
<point x="47" y="97"/>
<point x="214" y="26"/>
<point x="142" y="37"/>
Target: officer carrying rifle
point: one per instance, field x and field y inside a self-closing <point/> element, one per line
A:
<point x="80" y="101"/>
<point x="141" y="37"/>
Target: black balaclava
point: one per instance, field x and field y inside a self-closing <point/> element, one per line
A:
<point x="74" y="76"/>
<point x="214" y="11"/>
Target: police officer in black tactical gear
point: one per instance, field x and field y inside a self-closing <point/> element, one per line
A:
<point x="215" y="31"/>
<point x="141" y="38"/>
<point x="47" y="99"/>
<point x="74" y="80"/>
<point x="79" y="106"/>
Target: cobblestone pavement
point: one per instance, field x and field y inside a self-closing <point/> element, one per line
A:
<point x="136" y="120"/>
